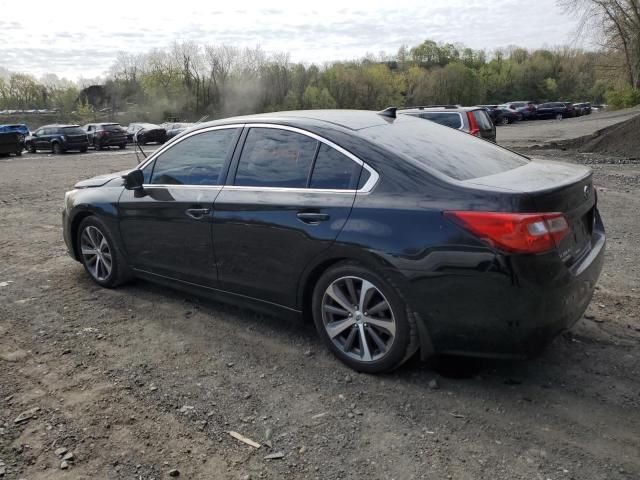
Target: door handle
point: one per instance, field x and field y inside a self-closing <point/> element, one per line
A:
<point x="312" y="217"/>
<point x="197" y="213"/>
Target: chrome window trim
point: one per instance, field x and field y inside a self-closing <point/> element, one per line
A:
<point x="366" y="188"/>
<point x="169" y="145"/>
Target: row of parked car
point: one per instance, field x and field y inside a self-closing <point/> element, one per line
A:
<point x="525" y="110"/>
<point x="61" y="138"/>
<point x="479" y="120"/>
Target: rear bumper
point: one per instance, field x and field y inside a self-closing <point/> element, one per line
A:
<point x="75" y="145"/>
<point x="112" y="141"/>
<point x="505" y="307"/>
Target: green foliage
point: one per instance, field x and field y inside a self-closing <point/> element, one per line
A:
<point x="623" y="98"/>
<point x="188" y="81"/>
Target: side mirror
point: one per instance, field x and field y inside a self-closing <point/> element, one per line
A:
<point x="133" y="180"/>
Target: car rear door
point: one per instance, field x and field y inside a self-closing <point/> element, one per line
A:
<point x="288" y="195"/>
<point x="167" y="231"/>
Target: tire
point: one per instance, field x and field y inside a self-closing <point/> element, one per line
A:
<point x="123" y="146"/>
<point x="559" y="116"/>
<point x="31" y="148"/>
<point x="97" y="145"/>
<point x="18" y="153"/>
<point x="93" y="234"/>
<point x="504" y="121"/>
<point x="83" y="150"/>
<point x="395" y="328"/>
<point x="56" y="148"/>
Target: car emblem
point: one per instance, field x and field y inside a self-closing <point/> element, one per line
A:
<point x="586" y="191"/>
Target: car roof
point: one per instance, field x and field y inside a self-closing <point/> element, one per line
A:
<point x="59" y="125"/>
<point x="348" y="119"/>
<point x="439" y="108"/>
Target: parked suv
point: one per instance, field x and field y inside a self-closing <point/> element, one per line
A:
<point x="102" y="135"/>
<point x="473" y="120"/>
<point x="58" y="139"/>
<point x="12" y="139"/>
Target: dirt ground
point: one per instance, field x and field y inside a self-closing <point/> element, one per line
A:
<point x="142" y="382"/>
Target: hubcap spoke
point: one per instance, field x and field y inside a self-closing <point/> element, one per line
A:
<point x="376" y="338"/>
<point x="335" y="310"/>
<point x="365" y="353"/>
<point x="386" y="325"/>
<point x="366" y="291"/>
<point x="348" y="343"/>
<point x="336" y="328"/>
<point x="339" y="298"/>
<point x="378" y="307"/>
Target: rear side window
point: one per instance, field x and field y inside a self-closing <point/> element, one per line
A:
<point x="448" y="119"/>
<point x="72" y="131"/>
<point x="275" y="158"/>
<point x="483" y="120"/>
<point x="333" y="170"/>
<point x="452" y="153"/>
<point x="196" y="160"/>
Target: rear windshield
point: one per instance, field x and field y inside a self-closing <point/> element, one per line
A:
<point x="73" y="131"/>
<point x="113" y="127"/>
<point x="448" y="119"/>
<point x="455" y="154"/>
<point x="483" y="120"/>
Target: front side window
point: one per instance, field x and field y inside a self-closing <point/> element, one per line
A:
<point x="275" y="158"/>
<point x="333" y="170"/>
<point x="196" y="160"/>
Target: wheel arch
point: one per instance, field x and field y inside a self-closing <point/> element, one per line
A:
<point x="75" y="224"/>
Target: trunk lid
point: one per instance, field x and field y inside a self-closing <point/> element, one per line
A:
<point x="553" y="187"/>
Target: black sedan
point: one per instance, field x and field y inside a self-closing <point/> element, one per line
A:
<point x="557" y="110"/>
<point x="393" y="234"/>
<point x="144" y="133"/>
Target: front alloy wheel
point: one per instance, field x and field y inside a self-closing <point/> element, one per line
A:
<point x="99" y="253"/>
<point x="96" y="253"/>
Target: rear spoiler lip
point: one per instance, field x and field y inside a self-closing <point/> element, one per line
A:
<point x="485" y="183"/>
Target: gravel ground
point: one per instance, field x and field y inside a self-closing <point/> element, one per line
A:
<point x="142" y="382"/>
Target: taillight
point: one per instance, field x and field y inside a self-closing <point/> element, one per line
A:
<point x="514" y="232"/>
<point x="473" y="126"/>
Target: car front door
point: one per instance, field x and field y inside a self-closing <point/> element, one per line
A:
<point x="288" y="195"/>
<point x="167" y="230"/>
<point x="41" y="139"/>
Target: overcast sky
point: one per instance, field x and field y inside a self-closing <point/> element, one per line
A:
<point x="80" y="39"/>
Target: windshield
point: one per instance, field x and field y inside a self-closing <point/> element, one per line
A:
<point x="452" y="153"/>
<point x="112" y="127"/>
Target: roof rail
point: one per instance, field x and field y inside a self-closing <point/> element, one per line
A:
<point x="422" y="107"/>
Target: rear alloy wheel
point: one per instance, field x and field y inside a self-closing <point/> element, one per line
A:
<point x="558" y="116"/>
<point x="57" y="149"/>
<point x="99" y="255"/>
<point x="504" y="121"/>
<point x="363" y="319"/>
